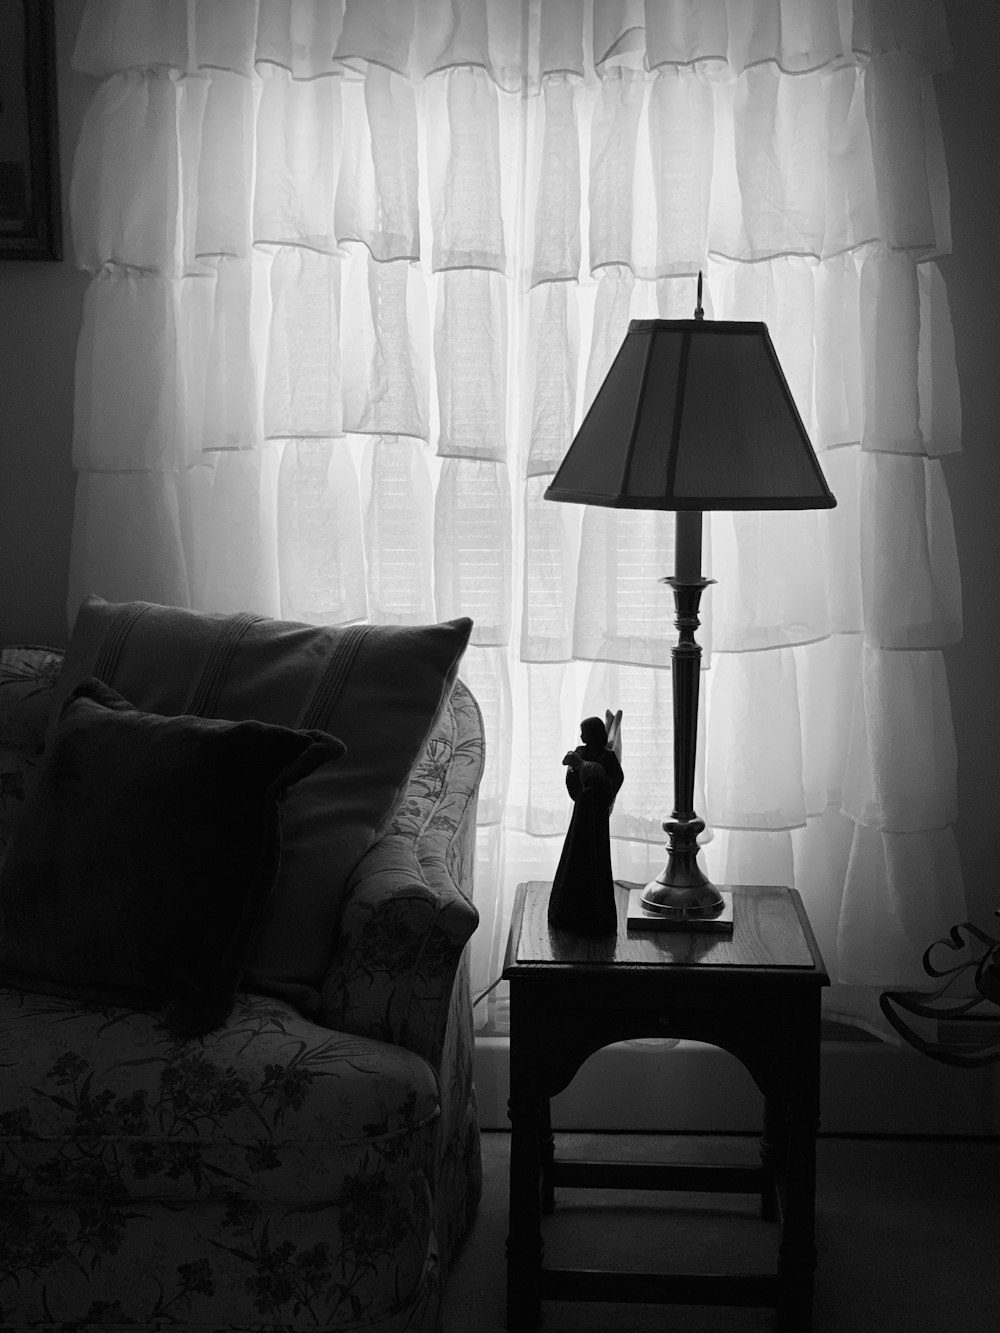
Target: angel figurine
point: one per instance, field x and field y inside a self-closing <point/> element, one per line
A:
<point x="583" y="892"/>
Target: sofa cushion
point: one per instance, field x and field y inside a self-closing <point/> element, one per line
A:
<point x="102" y="1103"/>
<point x="145" y="855"/>
<point x="379" y="688"/>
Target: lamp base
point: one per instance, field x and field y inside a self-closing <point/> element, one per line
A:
<point x="682" y="889"/>
<point x="639" y="917"/>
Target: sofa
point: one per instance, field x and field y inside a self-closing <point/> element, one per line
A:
<point x="312" y="1160"/>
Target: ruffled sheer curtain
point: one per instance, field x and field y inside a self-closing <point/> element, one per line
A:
<point x="357" y="271"/>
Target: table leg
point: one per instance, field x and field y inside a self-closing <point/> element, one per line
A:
<point x="526" y="1111"/>
<point x="797" y="1253"/>
<point x="547" y="1152"/>
<point x="524" y="1236"/>
<point x="773" y="1156"/>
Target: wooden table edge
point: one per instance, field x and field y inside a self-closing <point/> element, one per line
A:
<point x="514" y="933"/>
<point x="513" y="968"/>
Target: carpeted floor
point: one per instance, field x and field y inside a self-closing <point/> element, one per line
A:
<point x="908" y="1235"/>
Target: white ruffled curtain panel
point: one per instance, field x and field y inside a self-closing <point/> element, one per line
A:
<point x="357" y="271"/>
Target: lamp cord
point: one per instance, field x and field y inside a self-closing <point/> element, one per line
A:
<point x="619" y="883"/>
<point x="483" y="994"/>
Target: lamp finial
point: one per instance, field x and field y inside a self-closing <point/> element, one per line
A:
<point x="698" y="312"/>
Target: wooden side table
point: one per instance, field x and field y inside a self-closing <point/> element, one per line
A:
<point x="755" y="993"/>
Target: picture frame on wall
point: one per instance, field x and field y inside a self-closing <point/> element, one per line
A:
<point x="30" y="197"/>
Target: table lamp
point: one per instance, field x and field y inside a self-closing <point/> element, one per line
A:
<point x="694" y="414"/>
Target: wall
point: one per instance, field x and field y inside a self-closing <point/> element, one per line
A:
<point x="40" y="311"/>
<point x="969" y="104"/>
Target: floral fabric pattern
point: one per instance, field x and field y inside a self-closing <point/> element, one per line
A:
<point x="413" y="888"/>
<point x="27" y="678"/>
<point x="277" y="1174"/>
<point x="163" y="1118"/>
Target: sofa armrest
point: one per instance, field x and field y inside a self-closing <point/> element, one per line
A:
<point x="408" y="910"/>
<point x="404" y="927"/>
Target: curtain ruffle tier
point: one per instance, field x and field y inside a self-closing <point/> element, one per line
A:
<point x="357" y="272"/>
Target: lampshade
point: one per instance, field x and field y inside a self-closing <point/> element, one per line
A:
<point x="694" y="414"/>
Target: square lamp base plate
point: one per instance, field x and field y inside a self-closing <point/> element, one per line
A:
<point x="639" y="919"/>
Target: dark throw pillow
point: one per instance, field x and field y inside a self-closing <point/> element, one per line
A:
<point x="380" y="688"/>
<point x="145" y="855"/>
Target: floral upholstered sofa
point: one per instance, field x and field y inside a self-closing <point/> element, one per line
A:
<point x="282" y="1171"/>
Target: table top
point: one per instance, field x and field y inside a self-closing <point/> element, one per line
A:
<point x="771" y="934"/>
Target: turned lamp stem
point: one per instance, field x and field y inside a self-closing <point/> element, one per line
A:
<point x="682" y="890"/>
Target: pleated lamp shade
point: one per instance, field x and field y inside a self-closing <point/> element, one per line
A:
<point x="694" y="414"/>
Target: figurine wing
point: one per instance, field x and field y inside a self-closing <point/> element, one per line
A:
<point x="613" y="722"/>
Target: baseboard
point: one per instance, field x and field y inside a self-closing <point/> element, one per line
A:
<point x="868" y="1087"/>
